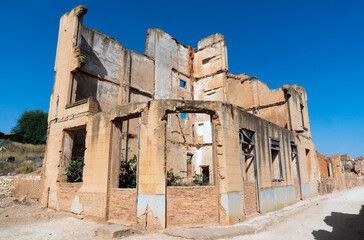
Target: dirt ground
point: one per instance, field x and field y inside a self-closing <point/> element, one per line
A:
<point x="22" y="220"/>
<point x="341" y="216"/>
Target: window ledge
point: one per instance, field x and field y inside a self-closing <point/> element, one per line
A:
<point x="278" y="180"/>
<point x="84" y="105"/>
<point x="80" y="102"/>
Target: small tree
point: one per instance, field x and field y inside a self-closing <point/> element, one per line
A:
<point x="32" y="126"/>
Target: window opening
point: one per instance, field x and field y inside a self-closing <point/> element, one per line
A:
<point x="302" y="118"/>
<point x="331" y="174"/>
<point x="277" y="170"/>
<point x="248" y="145"/>
<point x="189" y="165"/>
<point x="182" y="83"/>
<point x="129" y="153"/>
<point x="189" y="153"/>
<point x="74" y="151"/>
<point x="249" y="172"/>
<point x="205" y="173"/>
<point x="308" y="159"/>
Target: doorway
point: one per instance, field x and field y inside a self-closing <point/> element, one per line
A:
<point x="249" y="172"/>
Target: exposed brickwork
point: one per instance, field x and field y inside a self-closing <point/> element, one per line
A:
<point x="192" y="206"/>
<point x="93" y="204"/>
<point x="122" y="205"/>
<point x="250" y="198"/>
<point x="222" y="216"/>
<point x="66" y="194"/>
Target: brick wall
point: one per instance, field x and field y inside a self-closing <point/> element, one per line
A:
<point x="122" y="206"/>
<point x="93" y="204"/>
<point x="192" y="206"/>
<point x="250" y="198"/>
<point x="66" y="194"/>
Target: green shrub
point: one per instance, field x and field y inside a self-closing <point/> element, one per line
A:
<point x="127" y="176"/>
<point x="200" y="179"/>
<point x="173" y="180"/>
<point x="74" y="171"/>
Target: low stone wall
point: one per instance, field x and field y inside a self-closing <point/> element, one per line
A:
<point x="22" y="186"/>
<point x="122" y="206"/>
<point x="6" y="185"/>
<point x="354" y="181"/>
<point x="327" y="185"/>
<point x="192" y="206"/>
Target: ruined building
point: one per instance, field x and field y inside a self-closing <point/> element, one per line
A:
<point x="332" y="175"/>
<point x="170" y="137"/>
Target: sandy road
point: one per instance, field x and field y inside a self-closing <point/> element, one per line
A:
<point x="341" y="216"/>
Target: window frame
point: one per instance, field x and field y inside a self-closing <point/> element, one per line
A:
<point x="184" y="83"/>
<point x="280" y="163"/>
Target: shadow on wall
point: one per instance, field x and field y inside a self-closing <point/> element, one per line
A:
<point x="344" y="226"/>
<point x="93" y="62"/>
<point x="87" y="85"/>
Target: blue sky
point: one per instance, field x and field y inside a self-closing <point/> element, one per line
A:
<point x="316" y="44"/>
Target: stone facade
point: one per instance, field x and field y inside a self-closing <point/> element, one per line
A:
<point x="178" y="112"/>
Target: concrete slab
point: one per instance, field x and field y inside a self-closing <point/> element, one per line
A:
<point x="113" y="231"/>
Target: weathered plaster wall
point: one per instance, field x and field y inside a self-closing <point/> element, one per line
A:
<point x="103" y="53"/>
<point x="170" y="56"/>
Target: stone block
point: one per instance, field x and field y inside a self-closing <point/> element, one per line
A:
<point x="113" y="231"/>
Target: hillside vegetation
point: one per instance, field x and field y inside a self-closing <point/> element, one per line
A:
<point x="20" y="158"/>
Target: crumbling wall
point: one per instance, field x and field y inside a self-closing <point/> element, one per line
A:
<point x="326" y="185"/>
<point x="137" y="77"/>
<point x="171" y="64"/>
<point x="339" y="173"/>
<point x="323" y="162"/>
<point x="210" y="66"/>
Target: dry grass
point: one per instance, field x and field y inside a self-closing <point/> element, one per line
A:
<point x="21" y="152"/>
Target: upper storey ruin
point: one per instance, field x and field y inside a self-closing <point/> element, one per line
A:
<point x="96" y="73"/>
